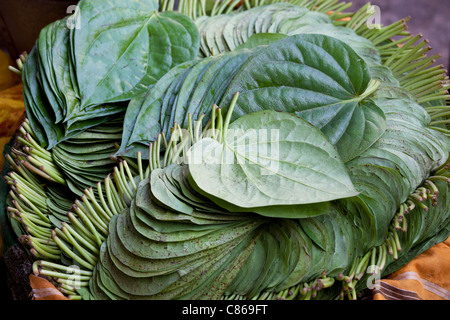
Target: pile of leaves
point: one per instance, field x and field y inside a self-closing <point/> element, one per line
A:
<point x="222" y="150"/>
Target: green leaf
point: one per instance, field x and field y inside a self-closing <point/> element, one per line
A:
<point x="123" y="47"/>
<point x="270" y="158"/>
<point x="319" y="78"/>
<point x="142" y="118"/>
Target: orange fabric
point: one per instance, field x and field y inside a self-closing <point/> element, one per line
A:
<point x="42" y="289"/>
<point x="427" y="277"/>
<point x="11" y="110"/>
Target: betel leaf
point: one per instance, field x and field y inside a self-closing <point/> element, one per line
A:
<point x="319" y="78"/>
<point x="123" y="47"/>
<point x="269" y="158"/>
<point x="142" y="118"/>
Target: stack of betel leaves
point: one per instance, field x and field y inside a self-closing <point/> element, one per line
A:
<point x="228" y="150"/>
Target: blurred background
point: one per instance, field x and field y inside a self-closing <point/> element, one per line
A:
<point x="428" y="17"/>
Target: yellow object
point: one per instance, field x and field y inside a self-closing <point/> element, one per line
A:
<point x="426" y="277"/>
<point x="11" y="106"/>
<point x="11" y="103"/>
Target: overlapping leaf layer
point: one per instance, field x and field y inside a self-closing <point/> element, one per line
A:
<point x="273" y="152"/>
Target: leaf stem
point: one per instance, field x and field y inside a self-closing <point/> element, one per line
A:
<point x="70" y="253"/>
<point x="229" y="114"/>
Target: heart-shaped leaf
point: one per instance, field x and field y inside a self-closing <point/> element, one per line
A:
<point x="270" y="158"/>
<point x="123" y="47"/>
<point x="319" y="78"/>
